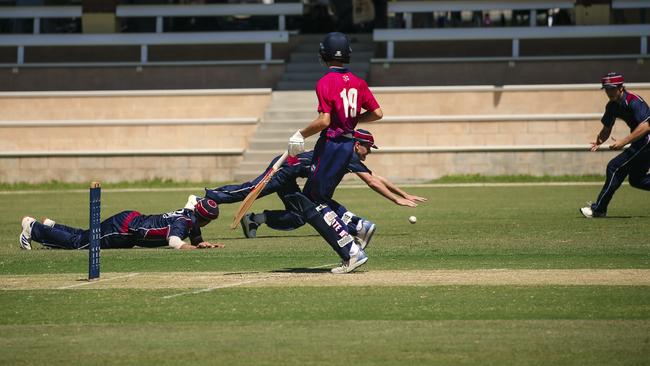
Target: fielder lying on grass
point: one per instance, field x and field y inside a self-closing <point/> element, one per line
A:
<point x="128" y="229"/>
<point x="284" y="184"/>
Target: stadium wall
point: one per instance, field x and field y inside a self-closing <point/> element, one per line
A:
<point x="200" y="135"/>
<point x="422" y="73"/>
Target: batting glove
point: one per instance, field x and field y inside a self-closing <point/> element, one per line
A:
<point x="296" y="144"/>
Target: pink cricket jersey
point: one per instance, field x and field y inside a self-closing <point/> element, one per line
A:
<point x="343" y="95"/>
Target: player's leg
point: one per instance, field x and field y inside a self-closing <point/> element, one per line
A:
<point x="617" y="170"/>
<point x="639" y="173"/>
<point x="361" y="229"/>
<point x="286" y="219"/>
<point x="56" y="225"/>
<point x="238" y="192"/>
<point x="53" y="237"/>
<point x="231" y="193"/>
<point x="332" y="229"/>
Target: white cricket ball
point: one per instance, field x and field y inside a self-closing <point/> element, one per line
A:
<point x="413" y="219"/>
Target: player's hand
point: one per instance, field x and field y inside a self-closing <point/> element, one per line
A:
<point x="405" y="202"/>
<point x="413" y="198"/>
<point x="594" y="146"/>
<point x="296" y="144"/>
<point x="208" y="245"/>
<point x="617" y="145"/>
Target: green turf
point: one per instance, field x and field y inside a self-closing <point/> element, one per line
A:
<point x="167" y="183"/>
<point x="459" y="228"/>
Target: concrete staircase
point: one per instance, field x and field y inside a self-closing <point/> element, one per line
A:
<point x="304" y="68"/>
<point x="288" y="112"/>
<point x="293" y="105"/>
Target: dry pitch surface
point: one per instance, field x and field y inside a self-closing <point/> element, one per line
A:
<point x="197" y="282"/>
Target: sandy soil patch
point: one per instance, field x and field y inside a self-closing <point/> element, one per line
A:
<point x="214" y="280"/>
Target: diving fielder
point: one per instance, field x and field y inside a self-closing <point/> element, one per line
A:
<point x="284" y="183"/>
<point x="128" y="229"/>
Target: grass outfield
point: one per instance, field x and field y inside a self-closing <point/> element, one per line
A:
<point x="489" y="275"/>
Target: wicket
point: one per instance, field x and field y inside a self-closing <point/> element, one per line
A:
<point x="95" y="231"/>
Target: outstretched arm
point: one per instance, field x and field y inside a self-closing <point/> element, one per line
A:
<point x="641" y="130"/>
<point x="603" y="135"/>
<point x="177" y="243"/>
<point x="379" y="187"/>
<point x="395" y="189"/>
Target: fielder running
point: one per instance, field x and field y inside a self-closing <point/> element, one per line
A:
<point x="284" y="183"/>
<point x="128" y="229"/>
<point x="635" y="160"/>
<point x="341" y="97"/>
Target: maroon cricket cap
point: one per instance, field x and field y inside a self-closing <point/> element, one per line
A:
<point x="612" y="80"/>
<point x="365" y="137"/>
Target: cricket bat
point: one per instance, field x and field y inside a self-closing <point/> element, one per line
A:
<point x="252" y="196"/>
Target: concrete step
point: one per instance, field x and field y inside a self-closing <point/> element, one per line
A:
<point x="296" y="85"/>
<point x="311" y="56"/>
<point x="265" y="143"/>
<point x="269" y="126"/>
<point x="279" y="98"/>
<point x="315" y="67"/>
<point x="311" y="76"/>
<point x="356" y="47"/>
<point x="283" y="115"/>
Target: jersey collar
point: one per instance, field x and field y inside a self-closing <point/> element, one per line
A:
<point x="341" y="70"/>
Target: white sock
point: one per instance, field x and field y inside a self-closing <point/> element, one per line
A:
<point x="259" y="218"/>
<point x="354" y="249"/>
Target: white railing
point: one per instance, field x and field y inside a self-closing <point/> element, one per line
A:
<point x="409" y="7"/>
<point x="630" y="4"/>
<point x="144" y="40"/>
<point x="39" y="12"/>
<point x="161" y="11"/>
<point x="390" y="36"/>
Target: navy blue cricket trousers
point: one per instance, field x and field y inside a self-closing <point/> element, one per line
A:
<point x="634" y="163"/>
<point x="330" y="163"/>
<point x="61" y="236"/>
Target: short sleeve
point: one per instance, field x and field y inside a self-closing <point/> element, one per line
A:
<point x="356" y="166"/>
<point x="180" y="227"/>
<point x="640" y="110"/>
<point x="321" y="93"/>
<point x="369" y="101"/>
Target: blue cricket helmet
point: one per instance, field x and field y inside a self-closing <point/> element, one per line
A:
<point x="335" y="46"/>
<point x="207" y="209"/>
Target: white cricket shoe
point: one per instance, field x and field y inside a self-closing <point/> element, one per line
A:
<point x="355" y="262"/>
<point x="47" y="222"/>
<point x="589" y="213"/>
<point x="249" y="225"/>
<point x="26" y="235"/>
<point x="365" y="234"/>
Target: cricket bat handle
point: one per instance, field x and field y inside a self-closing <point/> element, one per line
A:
<point x="280" y="161"/>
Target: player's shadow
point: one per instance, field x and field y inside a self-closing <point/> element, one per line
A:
<point x="623" y="217"/>
<point x="301" y="270"/>
<point x="278" y="236"/>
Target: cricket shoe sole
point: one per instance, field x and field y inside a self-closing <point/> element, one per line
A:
<point x="355" y="262"/>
